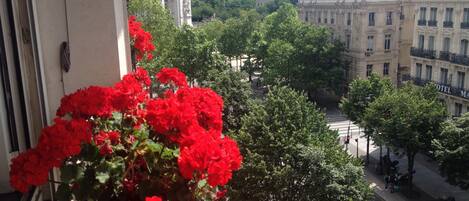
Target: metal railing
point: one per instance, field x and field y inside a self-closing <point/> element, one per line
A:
<point x="432" y="23"/>
<point x="422" y="22"/>
<point x="464" y="25"/>
<point x="423" y="53"/>
<point x="441" y="87"/>
<point x="448" y="24"/>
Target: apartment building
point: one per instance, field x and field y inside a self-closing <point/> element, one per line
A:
<point x="376" y="33"/>
<point x="439" y="51"/>
<point x="180" y="10"/>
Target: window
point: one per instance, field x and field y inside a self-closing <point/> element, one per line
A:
<point x="348" y="40"/>
<point x="349" y="19"/>
<point x="389" y="18"/>
<point x="463" y="48"/>
<point x="444" y="76"/>
<point x="325" y="17"/>
<point x="387" y="42"/>
<point x="369" y="70"/>
<point x="307" y="16"/>
<point x="319" y="16"/>
<point x="332" y="18"/>
<point x="371" y="19"/>
<point x="461" y="77"/>
<point x="423" y="13"/>
<point x="457" y="109"/>
<point x="449" y="15"/>
<point x="431" y="43"/>
<point x="421" y="41"/>
<point x="465" y="18"/>
<point x="418" y="71"/>
<point x="433" y="12"/>
<point x="428" y="70"/>
<point x="370" y="44"/>
<point x="446" y="44"/>
<point x="386" y="69"/>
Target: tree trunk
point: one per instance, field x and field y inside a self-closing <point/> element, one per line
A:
<point x="410" y="167"/>
<point x="381" y="159"/>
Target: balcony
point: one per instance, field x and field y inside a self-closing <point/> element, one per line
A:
<point x="422" y="22"/>
<point x="464" y="25"/>
<point x="460" y="59"/>
<point x="445" y="55"/>
<point x="423" y="53"/>
<point x="432" y="23"/>
<point x="441" y="87"/>
<point x="448" y="24"/>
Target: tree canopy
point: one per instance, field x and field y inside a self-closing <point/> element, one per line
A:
<point x="452" y="151"/>
<point x="290" y="154"/>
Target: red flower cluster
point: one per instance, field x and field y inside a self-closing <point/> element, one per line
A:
<point x="188" y="117"/>
<point x="153" y="198"/>
<point x="142" y="39"/>
<point x="56" y="143"/>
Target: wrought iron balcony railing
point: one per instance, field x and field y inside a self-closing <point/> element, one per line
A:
<point x="432" y="23"/>
<point x="448" y="24"/>
<point x="445" y="55"/>
<point x="424" y="53"/>
<point x="460" y="59"/>
<point x="422" y="22"/>
<point x="441" y="87"/>
<point x="464" y="25"/>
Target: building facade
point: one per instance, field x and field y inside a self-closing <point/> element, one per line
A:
<point x="373" y="32"/>
<point x="440" y="50"/>
<point x="50" y="48"/>
<point x="180" y="10"/>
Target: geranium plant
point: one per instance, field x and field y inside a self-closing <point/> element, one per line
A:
<point x="126" y="142"/>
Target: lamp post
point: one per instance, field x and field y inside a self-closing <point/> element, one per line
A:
<point x="356" y="140"/>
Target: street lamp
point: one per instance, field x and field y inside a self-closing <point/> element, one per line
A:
<point x="356" y="140"/>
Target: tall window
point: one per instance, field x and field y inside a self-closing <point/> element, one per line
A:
<point x="349" y="19"/>
<point x="418" y="71"/>
<point x="461" y="77"/>
<point x="325" y="17"/>
<point x="332" y="17"/>
<point x="370" y="44"/>
<point x="449" y="15"/>
<point x="307" y="16"/>
<point x="428" y="72"/>
<point x="457" y="109"/>
<point x="446" y="44"/>
<point x="431" y="43"/>
<point x="348" y="40"/>
<point x="466" y="15"/>
<point x="387" y="42"/>
<point x="444" y="76"/>
<point x="386" y="69"/>
<point x="371" y="19"/>
<point x="369" y="70"/>
<point x="423" y="13"/>
<point x="433" y="12"/>
<point x="319" y="16"/>
<point x="463" y="48"/>
<point x="389" y="18"/>
<point x="421" y="41"/>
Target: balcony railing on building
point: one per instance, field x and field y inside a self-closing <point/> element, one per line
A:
<point x="424" y="53"/>
<point x="464" y="25"/>
<point x="441" y="87"/>
<point x="448" y="24"/>
<point x="454" y="58"/>
<point x="432" y="23"/>
<point x="422" y="22"/>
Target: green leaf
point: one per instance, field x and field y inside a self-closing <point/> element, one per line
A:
<point x="70" y="172"/>
<point x="167" y="154"/>
<point x="63" y="192"/>
<point x="154" y="147"/>
<point x="102" y="177"/>
<point x="202" y="183"/>
<point x="89" y="152"/>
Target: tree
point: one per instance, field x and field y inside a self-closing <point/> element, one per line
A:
<point x="452" y="153"/>
<point x="236" y="93"/>
<point x="408" y="118"/>
<point x="157" y="20"/>
<point x="313" y="61"/>
<point x="290" y="154"/>
<point x="213" y="29"/>
<point x="195" y="55"/>
<point x="361" y="93"/>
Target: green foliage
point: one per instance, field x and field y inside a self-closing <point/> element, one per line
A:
<point x="408" y="118"/>
<point x="194" y="54"/>
<point x="303" y="56"/>
<point x="361" y="93"/>
<point x="212" y="29"/>
<point x="225" y="9"/>
<point x="290" y="154"/>
<point x="452" y="152"/>
<point x="236" y="93"/>
<point x="159" y="23"/>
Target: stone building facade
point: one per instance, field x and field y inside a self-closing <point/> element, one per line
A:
<point x="440" y="50"/>
<point x="375" y="33"/>
<point x="180" y="10"/>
